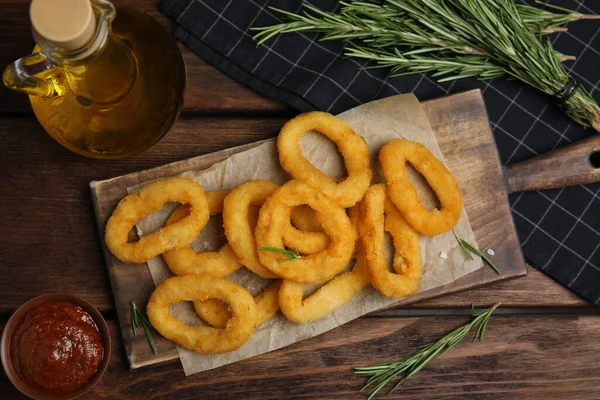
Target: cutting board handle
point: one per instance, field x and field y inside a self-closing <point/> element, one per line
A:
<point x="575" y="164"/>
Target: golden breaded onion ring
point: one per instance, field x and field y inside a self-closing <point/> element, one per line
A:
<point x="186" y="260"/>
<point x="217" y="263"/>
<point x="330" y="296"/>
<point x="393" y="157"/>
<point x="202" y="287"/>
<point x="214" y="313"/>
<point x="215" y="199"/>
<point x="352" y="146"/>
<point x="305" y="233"/>
<point x="236" y="223"/>
<point x="143" y="202"/>
<point x="304" y="218"/>
<point x="306" y="242"/>
<point x="240" y="233"/>
<point x="313" y="268"/>
<point x="380" y="215"/>
<point x="327" y="298"/>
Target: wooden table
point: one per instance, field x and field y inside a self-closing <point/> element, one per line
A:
<point x="543" y="343"/>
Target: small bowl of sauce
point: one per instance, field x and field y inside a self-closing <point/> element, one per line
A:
<point x="55" y="347"/>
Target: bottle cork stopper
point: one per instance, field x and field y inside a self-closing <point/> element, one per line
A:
<point x="68" y="24"/>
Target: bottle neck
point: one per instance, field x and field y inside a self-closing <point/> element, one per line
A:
<point x="104" y="14"/>
<point x="104" y="55"/>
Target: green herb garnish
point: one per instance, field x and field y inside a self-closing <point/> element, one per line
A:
<point x="546" y="21"/>
<point x="381" y="374"/>
<point x="292" y="255"/>
<point x="452" y="39"/>
<point x="469" y="248"/>
<point x="462" y="246"/>
<point x="136" y="317"/>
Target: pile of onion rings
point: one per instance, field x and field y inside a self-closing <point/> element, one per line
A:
<point x="330" y="296"/>
<point x="321" y="223"/>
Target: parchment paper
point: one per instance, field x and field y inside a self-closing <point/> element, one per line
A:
<point x="378" y="122"/>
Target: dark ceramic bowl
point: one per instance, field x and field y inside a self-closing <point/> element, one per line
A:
<point x="14" y="321"/>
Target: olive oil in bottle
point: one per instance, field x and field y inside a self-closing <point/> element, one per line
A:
<point x="105" y="82"/>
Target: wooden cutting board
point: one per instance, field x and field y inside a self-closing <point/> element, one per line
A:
<point x="462" y="129"/>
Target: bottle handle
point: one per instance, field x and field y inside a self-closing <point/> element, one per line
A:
<point x="21" y="76"/>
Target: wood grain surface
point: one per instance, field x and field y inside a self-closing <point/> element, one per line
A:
<point x="521" y="357"/>
<point x="462" y="129"/>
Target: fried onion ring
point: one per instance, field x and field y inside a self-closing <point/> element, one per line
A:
<point x="214" y="313"/>
<point x="215" y="199"/>
<point x="313" y="268"/>
<point x="186" y="260"/>
<point x="240" y="233"/>
<point x="143" y="202"/>
<point x="379" y="215"/>
<point x="236" y="223"/>
<point x="393" y="157"/>
<point x="305" y="233"/>
<point x="326" y="299"/>
<point x="352" y="146"/>
<point x="330" y="296"/>
<point x="217" y="263"/>
<point x="304" y="218"/>
<point x="306" y="242"/>
<point x="201" y="287"/>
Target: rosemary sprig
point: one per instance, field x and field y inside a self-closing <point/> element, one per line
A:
<point x="292" y="255"/>
<point x="381" y="374"/>
<point x="545" y="21"/>
<point x="377" y="24"/>
<point x="462" y="246"/>
<point x="136" y="317"/>
<point x="452" y="39"/>
<point x="468" y="248"/>
<point x="476" y="251"/>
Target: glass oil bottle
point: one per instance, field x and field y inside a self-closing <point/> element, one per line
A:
<point x="105" y="82"/>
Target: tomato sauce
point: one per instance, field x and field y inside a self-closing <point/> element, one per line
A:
<point x="57" y="347"/>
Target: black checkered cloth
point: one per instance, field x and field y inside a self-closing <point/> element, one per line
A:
<point x="559" y="229"/>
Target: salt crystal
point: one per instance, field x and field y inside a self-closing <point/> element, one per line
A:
<point x="207" y="246"/>
<point x="490" y="252"/>
<point x="444" y="255"/>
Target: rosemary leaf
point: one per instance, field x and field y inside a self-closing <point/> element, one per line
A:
<point x="292" y="255"/>
<point x="462" y="246"/>
<point x="476" y="251"/>
<point x="150" y="339"/>
<point x="543" y="20"/>
<point x="136" y="317"/>
<point x="382" y="374"/>
<point x="134" y="321"/>
<point x="141" y="316"/>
